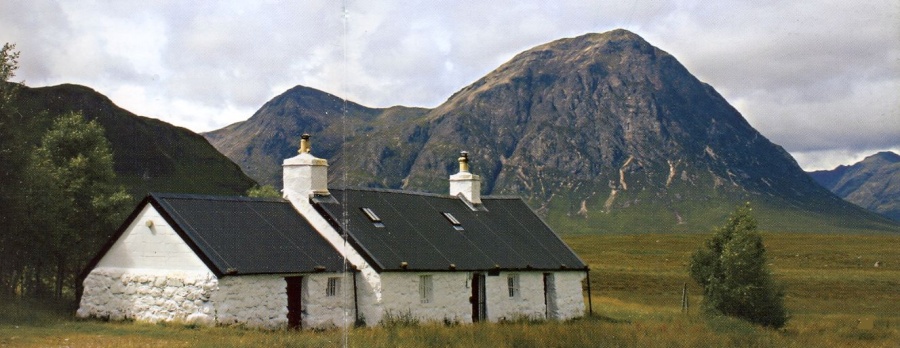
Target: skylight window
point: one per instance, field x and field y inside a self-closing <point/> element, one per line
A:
<point x="456" y="225"/>
<point x="372" y="217"/>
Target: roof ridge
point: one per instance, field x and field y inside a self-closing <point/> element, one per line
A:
<point x="417" y="193"/>
<point x="386" y="190"/>
<point x="215" y="197"/>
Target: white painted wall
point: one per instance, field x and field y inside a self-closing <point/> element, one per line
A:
<point x="322" y="311"/>
<point x="570" y="298"/>
<point x="251" y="301"/>
<point x="155" y="247"/>
<point x="451" y="292"/>
<point x="530" y="302"/>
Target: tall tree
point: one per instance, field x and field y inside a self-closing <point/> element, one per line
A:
<point x="12" y="160"/>
<point x="732" y="269"/>
<point x="75" y="204"/>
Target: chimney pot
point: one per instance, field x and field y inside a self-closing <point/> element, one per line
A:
<point x="304" y="144"/>
<point x="464" y="162"/>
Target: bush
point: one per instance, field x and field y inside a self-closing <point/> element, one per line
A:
<point x="731" y="268"/>
<point x="399" y="319"/>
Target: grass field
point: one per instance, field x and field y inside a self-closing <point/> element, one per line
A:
<point x="831" y="282"/>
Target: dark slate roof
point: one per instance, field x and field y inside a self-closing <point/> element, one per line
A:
<point x="504" y="235"/>
<point x="240" y="235"/>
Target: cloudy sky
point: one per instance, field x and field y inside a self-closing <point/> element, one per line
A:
<point x="820" y="78"/>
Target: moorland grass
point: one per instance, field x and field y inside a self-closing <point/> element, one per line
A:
<point x="831" y="285"/>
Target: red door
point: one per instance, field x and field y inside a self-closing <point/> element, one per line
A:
<point x="294" y="306"/>
<point x="479" y="305"/>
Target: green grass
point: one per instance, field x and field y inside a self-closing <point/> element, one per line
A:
<point x="691" y="209"/>
<point x="636" y="282"/>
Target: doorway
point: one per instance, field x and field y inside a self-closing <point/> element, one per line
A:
<point x="479" y="303"/>
<point x="552" y="309"/>
<point x="294" y="305"/>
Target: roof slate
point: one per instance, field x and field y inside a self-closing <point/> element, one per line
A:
<point x="505" y="235"/>
<point x="239" y="235"/>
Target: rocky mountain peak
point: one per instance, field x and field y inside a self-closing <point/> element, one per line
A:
<point x="605" y="128"/>
<point x="873" y="183"/>
<point x="883" y="157"/>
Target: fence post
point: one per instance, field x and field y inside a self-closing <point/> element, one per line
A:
<point x="587" y="270"/>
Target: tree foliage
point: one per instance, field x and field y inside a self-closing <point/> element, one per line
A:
<point x="58" y="201"/>
<point x="9" y="63"/>
<point x="72" y="196"/>
<point x="12" y="162"/>
<point x="733" y="271"/>
<point x="265" y="191"/>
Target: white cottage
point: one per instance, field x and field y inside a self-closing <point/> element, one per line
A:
<point x="329" y="258"/>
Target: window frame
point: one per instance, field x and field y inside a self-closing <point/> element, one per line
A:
<point x="513" y="285"/>
<point x="374" y="218"/>
<point x="333" y="286"/>
<point x="453" y="221"/>
<point x="426" y="288"/>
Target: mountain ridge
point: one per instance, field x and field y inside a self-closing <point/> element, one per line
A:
<point x="148" y="154"/>
<point x="873" y="183"/>
<point x="600" y="132"/>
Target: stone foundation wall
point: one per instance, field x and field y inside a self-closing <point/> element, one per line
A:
<point x="149" y="295"/>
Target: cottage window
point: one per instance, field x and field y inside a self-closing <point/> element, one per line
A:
<point x="333" y="288"/>
<point x="426" y="289"/>
<point x="512" y="281"/>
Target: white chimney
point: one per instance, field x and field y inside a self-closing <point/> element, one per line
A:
<point x="305" y="175"/>
<point x="468" y="184"/>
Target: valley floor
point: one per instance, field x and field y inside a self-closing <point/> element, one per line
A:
<point x="836" y="295"/>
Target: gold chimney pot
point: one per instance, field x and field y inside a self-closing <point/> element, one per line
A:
<point x="464" y="162"/>
<point x="304" y="144"/>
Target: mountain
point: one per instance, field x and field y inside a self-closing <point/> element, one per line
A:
<point x="600" y="133"/>
<point x="873" y="183"/>
<point x="148" y="154"/>
<point x="272" y="134"/>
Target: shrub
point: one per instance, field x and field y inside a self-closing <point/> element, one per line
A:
<point x="731" y="268"/>
<point x="399" y="319"/>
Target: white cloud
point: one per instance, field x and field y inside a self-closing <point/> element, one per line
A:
<point x="814" y="77"/>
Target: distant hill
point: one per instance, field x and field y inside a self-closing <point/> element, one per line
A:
<point x="873" y="183"/>
<point x="272" y="134"/>
<point x="148" y="154"/>
<point x="600" y="133"/>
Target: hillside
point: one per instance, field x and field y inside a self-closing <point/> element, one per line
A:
<point x="873" y="183"/>
<point x="600" y="133"/>
<point x="260" y="144"/>
<point x="148" y="154"/>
